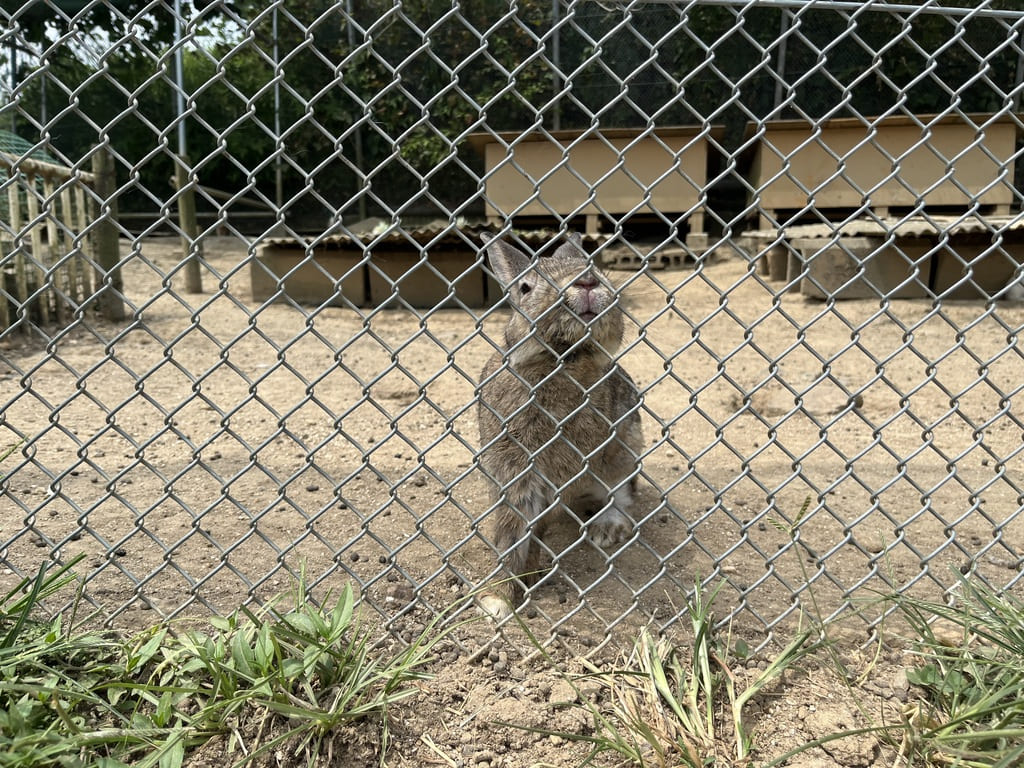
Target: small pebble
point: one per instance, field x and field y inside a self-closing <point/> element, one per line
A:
<point x="483" y="756"/>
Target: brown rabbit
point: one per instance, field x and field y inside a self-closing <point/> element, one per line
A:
<point x="559" y="420"/>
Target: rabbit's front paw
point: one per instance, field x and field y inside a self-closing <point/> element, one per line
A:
<point x="494" y="605"/>
<point x="609" y="528"/>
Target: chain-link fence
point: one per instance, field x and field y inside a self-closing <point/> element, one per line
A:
<point x="244" y="323"/>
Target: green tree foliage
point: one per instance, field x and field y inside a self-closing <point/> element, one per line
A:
<point x="925" y="64"/>
<point x="33" y="17"/>
<point x="405" y="87"/>
<point x="375" y="107"/>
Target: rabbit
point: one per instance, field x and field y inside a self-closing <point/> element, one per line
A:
<point x="558" y="417"/>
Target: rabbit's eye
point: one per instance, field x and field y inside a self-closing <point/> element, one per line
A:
<point x="524" y="288"/>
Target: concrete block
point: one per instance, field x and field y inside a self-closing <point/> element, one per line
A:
<point x="671" y="258"/>
<point x="756" y="245"/>
<point x="622" y="258"/>
<point x="861" y="268"/>
<point x="777" y="257"/>
<point x="425" y="287"/>
<point x="794" y="270"/>
<point x="330" y="276"/>
<point x="975" y="270"/>
<point x="698" y="242"/>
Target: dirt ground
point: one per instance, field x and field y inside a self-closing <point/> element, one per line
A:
<point x="206" y="451"/>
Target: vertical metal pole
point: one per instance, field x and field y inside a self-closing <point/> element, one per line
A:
<point x="358" y="135"/>
<point x="14" y="81"/>
<point x="780" y="66"/>
<point x="191" y="248"/>
<point x="278" y="148"/>
<point x="179" y="79"/>
<point x="1019" y="75"/>
<point x="556" y="60"/>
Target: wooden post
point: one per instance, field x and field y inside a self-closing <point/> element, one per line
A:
<point x="66" y="271"/>
<point x="105" y="241"/>
<point x="18" y="245"/>
<point x="39" y="257"/>
<point x="191" y="248"/>
<point x="5" y="311"/>
<point x="82" y="276"/>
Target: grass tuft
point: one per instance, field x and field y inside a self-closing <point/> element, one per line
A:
<point x="269" y="679"/>
<point x="970" y="674"/>
<point x="668" y="706"/>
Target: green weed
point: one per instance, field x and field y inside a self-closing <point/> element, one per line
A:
<point x="971" y="679"/>
<point x="668" y="706"/>
<point x="71" y="697"/>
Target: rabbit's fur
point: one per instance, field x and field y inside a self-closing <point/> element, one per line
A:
<point x="558" y="417"/>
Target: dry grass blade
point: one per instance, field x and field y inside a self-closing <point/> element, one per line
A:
<point x="663" y="704"/>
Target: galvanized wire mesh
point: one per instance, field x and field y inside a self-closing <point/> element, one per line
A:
<point x="810" y="211"/>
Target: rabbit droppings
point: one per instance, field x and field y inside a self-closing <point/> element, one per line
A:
<point x="558" y="417"/>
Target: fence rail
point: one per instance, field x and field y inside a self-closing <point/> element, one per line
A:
<point x="48" y="210"/>
<point x="810" y="213"/>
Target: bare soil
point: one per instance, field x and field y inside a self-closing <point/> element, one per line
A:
<point x="209" y="450"/>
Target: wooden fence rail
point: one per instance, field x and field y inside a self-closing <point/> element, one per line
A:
<point x="47" y="257"/>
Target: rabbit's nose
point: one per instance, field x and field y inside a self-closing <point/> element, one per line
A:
<point x="586" y="282"/>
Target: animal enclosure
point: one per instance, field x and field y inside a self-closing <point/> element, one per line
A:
<point x="313" y="409"/>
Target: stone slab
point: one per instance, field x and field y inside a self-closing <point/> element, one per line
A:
<point x="860" y="268"/>
<point x="975" y="270"/>
<point x="398" y="276"/>
<point x="334" y="277"/>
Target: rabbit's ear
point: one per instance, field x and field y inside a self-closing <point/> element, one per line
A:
<point x="572" y="248"/>
<point x="507" y="261"/>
